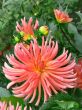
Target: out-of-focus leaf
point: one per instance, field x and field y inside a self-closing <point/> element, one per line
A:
<point x="52" y="103"/>
<point x="72" y="29"/>
<point x="67" y="105"/>
<point x="78" y="42"/>
<point x="4" y="92"/>
<point x="80" y="15"/>
<point x="52" y="27"/>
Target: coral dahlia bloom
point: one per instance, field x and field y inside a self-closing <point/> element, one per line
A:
<point x="78" y="70"/>
<point x="62" y="17"/>
<point x="27" y="28"/>
<point x="38" y="67"/>
<point x="5" y="106"/>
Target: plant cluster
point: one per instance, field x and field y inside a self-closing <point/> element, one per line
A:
<point x="40" y="55"/>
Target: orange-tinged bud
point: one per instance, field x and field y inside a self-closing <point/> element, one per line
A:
<point x="62" y="17"/>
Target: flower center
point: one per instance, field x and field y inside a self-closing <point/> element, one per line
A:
<point x="40" y="67"/>
<point x="27" y="36"/>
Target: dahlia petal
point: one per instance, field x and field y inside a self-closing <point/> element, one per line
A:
<point x="22" y="87"/>
<point x="9" y="106"/>
<point x="28" y="96"/>
<point x="61" y="84"/>
<point x="26" y="28"/>
<point x="33" y="97"/>
<point x="10" y="77"/>
<point x="36" y="49"/>
<point x="30" y="108"/>
<point x="14" y="62"/>
<point x="25" y="108"/>
<point x="12" y="69"/>
<point x="53" y="89"/>
<point x="19" y="95"/>
<point x="36" y="25"/>
<point x="45" y="94"/>
<point x="39" y="96"/>
<point x="18" y="54"/>
<point x="8" y="72"/>
<point x="10" y="84"/>
<point x="56" y="72"/>
<point x="46" y="88"/>
<point x="62" y="78"/>
<point x="18" y="27"/>
<point x="54" y="52"/>
<point x="24" y="22"/>
<point x="69" y="67"/>
<point x="30" y="21"/>
<point x="31" y="87"/>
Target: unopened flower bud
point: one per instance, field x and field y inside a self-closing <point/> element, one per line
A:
<point x="16" y="39"/>
<point x="22" y="33"/>
<point x="62" y="17"/>
<point x="44" y="30"/>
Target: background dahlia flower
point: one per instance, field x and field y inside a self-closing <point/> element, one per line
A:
<point x="62" y="17"/>
<point x="38" y="67"/>
<point x="27" y="28"/>
<point x="5" y="106"/>
<point x="78" y="70"/>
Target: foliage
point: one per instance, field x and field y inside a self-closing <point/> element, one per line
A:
<point x="68" y="35"/>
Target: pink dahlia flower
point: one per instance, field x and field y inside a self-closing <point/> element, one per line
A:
<point x="38" y="67"/>
<point x="5" y="106"/>
<point x="78" y="70"/>
<point x="62" y="17"/>
<point x="27" y="28"/>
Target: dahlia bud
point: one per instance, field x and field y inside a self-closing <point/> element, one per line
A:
<point x="62" y="17"/>
<point x="16" y="39"/>
<point x="22" y="33"/>
<point x="44" y="30"/>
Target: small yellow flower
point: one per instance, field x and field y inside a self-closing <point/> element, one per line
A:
<point x="27" y="37"/>
<point x="26" y="30"/>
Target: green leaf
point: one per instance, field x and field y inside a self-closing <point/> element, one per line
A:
<point x="54" y="101"/>
<point x="78" y="42"/>
<point x="72" y="29"/>
<point x="80" y="15"/>
<point x="67" y="104"/>
<point x="4" y="92"/>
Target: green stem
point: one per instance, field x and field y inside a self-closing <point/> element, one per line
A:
<point x="74" y="91"/>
